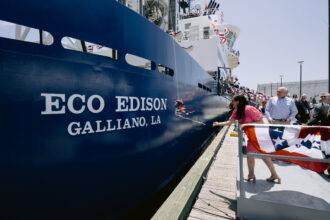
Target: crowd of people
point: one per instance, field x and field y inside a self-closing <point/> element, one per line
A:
<point x="280" y="109"/>
<point x="232" y="86"/>
<point x="302" y="111"/>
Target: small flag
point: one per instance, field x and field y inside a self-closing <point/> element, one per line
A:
<point x="90" y="48"/>
<point x="223" y="40"/>
<point x="226" y="30"/>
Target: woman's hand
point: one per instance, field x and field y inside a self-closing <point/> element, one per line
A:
<point x="216" y="124"/>
<point x="223" y="123"/>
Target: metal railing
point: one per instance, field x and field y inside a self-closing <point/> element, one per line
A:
<point x="240" y="154"/>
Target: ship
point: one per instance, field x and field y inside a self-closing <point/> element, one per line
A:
<point x="101" y="109"/>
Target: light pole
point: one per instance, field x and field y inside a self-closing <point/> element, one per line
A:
<point x="281" y="79"/>
<point x="271" y="89"/>
<point x="300" y="62"/>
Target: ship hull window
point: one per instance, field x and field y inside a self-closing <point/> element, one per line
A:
<point x="165" y="70"/>
<point x="88" y="47"/>
<point x="206" y="32"/>
<point x="140" y="62"/>
<point x="23" y="33"/>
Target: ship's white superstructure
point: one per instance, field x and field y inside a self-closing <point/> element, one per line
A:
<point x="209" y="41"/>
<point x="201" y="32"/>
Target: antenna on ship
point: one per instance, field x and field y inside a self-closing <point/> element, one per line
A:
<point x="216" y="7"/>
<point x="212" y="7"/>
<point x="209" y="5"/>
<point x="212" y="4"/>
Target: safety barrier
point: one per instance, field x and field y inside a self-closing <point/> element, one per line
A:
<point x="256" y="208"/>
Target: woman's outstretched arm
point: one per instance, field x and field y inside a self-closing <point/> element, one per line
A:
<point x="229" y="122"/>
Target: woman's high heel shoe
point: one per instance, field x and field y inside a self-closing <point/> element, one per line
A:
<point x="248" y="178"/>
<point x="272" y="179"/>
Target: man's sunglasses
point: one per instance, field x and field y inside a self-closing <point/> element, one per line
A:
<point x="323" y="96"/>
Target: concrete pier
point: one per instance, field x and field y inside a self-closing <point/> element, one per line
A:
<point x="303" y="194"/>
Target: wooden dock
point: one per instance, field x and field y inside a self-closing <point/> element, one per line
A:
<point x="217" y="198"/>
<point x="208" y="191"/>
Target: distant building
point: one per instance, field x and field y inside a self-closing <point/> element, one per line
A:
<point x="311" y="88"/>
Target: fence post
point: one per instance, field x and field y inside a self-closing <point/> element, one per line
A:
<point x="240" y="156"/>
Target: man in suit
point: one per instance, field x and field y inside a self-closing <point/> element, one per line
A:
<point x="303" y="108"/>
<point x="321" y="112"/>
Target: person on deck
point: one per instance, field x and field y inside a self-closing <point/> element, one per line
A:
<point x="245" y="113"/>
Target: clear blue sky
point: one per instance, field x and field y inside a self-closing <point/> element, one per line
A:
<point x="275" y="35"/>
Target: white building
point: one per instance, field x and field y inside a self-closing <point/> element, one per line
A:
<point x="310" y="88"/>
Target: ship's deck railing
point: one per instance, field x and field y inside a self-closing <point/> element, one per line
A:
<point x="231" y="51"/>
<point x="240" y="153"/>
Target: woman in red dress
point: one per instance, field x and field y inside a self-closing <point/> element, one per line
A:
<point x="245" y="113"/>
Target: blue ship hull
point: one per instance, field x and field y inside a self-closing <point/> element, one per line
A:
<point x="49" y="173"/>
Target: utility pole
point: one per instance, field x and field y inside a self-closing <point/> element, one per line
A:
<point x="281" y="79"/>
<point x="271" y="89"/>
<point x="300" y="62"/>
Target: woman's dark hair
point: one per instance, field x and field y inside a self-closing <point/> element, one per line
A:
<point x="241" y="105"/>
<point x="231" y="106"/>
